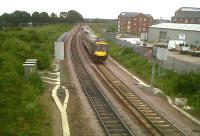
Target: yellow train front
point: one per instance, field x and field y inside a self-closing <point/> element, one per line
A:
<point x="100" y="51"/>
<point x="96" y="48"/>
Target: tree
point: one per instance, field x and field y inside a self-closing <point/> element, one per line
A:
<point x="20" y="17"/>
<point x="35" y="17"/>
<point x="44" y="17"/>
<point x="53" y="18"/>
<point x="63" y="17"/>
<point x="5" y="19"/>
<point x="63" y="14"/>
<point x="74" y="17"/>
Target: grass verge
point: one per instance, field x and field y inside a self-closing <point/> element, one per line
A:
<point x="21" y="112"/>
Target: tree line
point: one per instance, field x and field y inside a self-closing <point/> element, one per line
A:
<point x="23" y="18"/>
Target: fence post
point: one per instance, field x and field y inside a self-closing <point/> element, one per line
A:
<point x="152" y="72"/>
<point x="174" y="65"/>
<point x="186" y="67"/>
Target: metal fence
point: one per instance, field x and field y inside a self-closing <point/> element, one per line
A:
<point x="180" y="66"/>
<point x="172" y="63"/>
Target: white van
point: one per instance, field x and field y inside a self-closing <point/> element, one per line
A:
<point x="175" y="44"/>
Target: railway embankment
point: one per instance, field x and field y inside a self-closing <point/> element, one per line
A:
<point x="172" y="84"/>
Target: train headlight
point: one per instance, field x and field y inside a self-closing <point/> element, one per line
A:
<point x="100" y="53"/>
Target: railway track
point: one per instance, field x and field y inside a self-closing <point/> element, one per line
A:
<point x="106" y="114"/>
<point x="154" y="121"/>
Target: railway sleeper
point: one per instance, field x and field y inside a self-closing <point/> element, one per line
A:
<point x="143" y="108"/>
<point x="114" y="126"/>
<point x="171" y="133"/>
<point x="106" y="115"/>
<point x="101" y="106"/>
<point x="152" y="118"/>
<point x="131" y="95"/>
<point x="111" y="122"/>
<point x="108" y="118"/>
<point x="129" y="92"/>
<point x="163" y="125"/>
<point x="117" y="131"/>
<point x="135" y="100"/>
<point x="140" y="105"/>
<point x="125" y="134"/>
<point x="104" y="111"/>
<point x="158" y="121"/>
<point x="147" y="111"/>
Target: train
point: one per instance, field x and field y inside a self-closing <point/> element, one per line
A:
<point x="97" y="48"/>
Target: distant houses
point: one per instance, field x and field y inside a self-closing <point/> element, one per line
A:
<point x="185" y="26"/>
<point x="133" y="22"/>
<point x="187" y="15"/>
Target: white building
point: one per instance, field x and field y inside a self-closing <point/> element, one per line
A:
<point x="190" y="33"/>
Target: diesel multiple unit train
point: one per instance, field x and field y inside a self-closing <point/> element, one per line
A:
<point x="97" y="49"/>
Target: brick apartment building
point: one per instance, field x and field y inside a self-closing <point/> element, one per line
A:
<point x="187" y="15"/>
<point x="132" y="22"/>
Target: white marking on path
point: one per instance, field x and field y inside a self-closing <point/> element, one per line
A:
<point x="51" y="79"/>
<point x="62" y="108"/>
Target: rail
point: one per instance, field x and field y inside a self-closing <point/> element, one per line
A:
<point x="110" y="120"/>
<point x="152" y="116"/>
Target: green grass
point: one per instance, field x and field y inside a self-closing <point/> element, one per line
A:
<point x="173" y="84"/>
<point x="21" y="112"/>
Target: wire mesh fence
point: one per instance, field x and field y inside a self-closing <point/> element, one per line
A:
<point x="180" y="66"/>
<point x="172" y="63"/>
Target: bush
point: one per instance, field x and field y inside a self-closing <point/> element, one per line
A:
<point x="35" y="80"/>
<point x="20" y="111"/>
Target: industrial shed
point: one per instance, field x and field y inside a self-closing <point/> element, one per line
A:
<point x="190" y="33"/>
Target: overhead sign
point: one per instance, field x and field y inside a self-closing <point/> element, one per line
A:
<point x="181" y="37"/>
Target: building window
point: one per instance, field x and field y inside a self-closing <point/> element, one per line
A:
<point x="145" y="19"/>
<point x="134" y="24"/>
<point x="186" y="20"/>
<point x="162" y="36"/>
<point x="128" y="29"/>
<point x="140" y="29"/>
<point x="140" y="19"/>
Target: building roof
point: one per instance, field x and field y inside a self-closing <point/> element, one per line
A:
<point x="186" y="27"/>
<point x="133" y="14"/>
<point x="187" y="12"/>
<point x="189" y="9"/>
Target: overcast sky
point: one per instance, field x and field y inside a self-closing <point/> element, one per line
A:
<point x="100" y="8"/>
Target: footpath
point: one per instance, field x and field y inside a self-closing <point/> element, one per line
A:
<point x="60" y="103"/>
